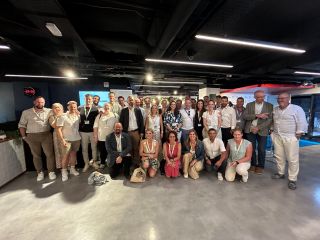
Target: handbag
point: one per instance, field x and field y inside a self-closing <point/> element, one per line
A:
<point x="138" y="176"/>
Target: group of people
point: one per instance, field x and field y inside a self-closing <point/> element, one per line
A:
<point x="179" y="138"/>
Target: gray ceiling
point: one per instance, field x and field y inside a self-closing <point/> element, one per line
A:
<point x="108" y="40"/>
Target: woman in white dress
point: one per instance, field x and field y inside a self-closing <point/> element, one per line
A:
<point x="211" y="119"/>
<point x="154" y="122"/>
<point x="103" y="126"/>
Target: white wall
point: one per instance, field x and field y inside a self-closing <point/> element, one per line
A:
<point x="7" y="105"/>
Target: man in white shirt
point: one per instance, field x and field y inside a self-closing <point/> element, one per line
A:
<point x="34" y="128"/>
<point x="215" y="154"/>
<point x="289" y="124"/>
<point x="114" y="106"/>
<point x="187" y="115"/>
<point x="229" y="120"/>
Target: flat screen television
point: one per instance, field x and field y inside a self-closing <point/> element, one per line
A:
<point x="104" y="96"/>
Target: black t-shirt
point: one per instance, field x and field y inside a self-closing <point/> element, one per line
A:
<point x="87" y="114"/>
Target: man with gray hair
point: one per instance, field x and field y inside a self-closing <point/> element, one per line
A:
<point x="258" y="117"/>
<point x="289" y="124"/>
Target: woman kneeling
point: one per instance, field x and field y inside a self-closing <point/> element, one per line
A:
<point x="239" y="151"/>
<point x="149" y="150"/>
<point x="193" y="155"/>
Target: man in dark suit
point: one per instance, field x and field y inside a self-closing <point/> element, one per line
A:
<point x="133" y="124"/>
<point x="258" y="117"/>
<point x="118" y="145"/>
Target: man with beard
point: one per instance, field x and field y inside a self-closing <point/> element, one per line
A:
<point x="118" y="145"/>
<point x="34" y="128"/>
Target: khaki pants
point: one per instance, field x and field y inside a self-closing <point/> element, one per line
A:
<point x="241" y="169"/>
<point x="187" y="169"/>
<point x="287" y="148"/>
<point x="38" y="141"/>
<point x="135" y="141"/>
<point x="86" y="138"/>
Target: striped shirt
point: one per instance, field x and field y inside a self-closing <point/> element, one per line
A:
<point x="289" y="121"/>
<point x="35" y="122"/>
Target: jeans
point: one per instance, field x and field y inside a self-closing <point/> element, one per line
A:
<point x="262" y="142"/>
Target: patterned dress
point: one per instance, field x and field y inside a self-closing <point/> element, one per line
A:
<point x="173" y="121"/>
<point x="58" y="157"/>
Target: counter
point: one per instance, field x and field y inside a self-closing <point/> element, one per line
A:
<point x="12" y="160"/>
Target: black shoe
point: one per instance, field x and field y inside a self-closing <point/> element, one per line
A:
<point x="292" y="185"/>
<point x="277" y="176"/>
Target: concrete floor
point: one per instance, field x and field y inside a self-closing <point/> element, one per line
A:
<point x="165" y="209"/>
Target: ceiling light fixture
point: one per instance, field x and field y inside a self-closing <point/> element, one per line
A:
<point x="251" y="43"/>
<point x="149" y="77"/>
<point x="155" y="86"/>
<point x="178" y="82"/>
<point x="55" y="31"/>
<point x="69" y="73"/>
<point x="40" y="76"/>
<point x="4" y="47"/>
<point x="308" y="73"/>
<point x="189" y="63"/>
<point x="175" y="92"/>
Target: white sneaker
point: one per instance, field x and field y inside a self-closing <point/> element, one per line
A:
<point x="40" y="176"/>
<point x="220" y="177"/>
<point x="52" y="175"/>
<point x="85" y="168"/>
<point x="245" y="178"/>
<point x="73" y="171"/>
<point x="95" y="165"/>
<point x="64" y="175"/>
<point x="185" y="175"/>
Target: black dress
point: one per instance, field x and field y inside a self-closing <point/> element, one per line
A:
<point x="198" y="124"/>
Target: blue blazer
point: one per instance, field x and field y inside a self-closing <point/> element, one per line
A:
<point x="199" y="150"/>
<point x="111" y="146"/>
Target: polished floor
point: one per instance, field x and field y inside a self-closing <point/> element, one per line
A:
<point x="164" y="208"/>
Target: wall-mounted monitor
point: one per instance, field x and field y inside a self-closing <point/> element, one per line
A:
<point x="104" y="96"/>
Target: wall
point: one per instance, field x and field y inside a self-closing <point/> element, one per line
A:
<point x="7" y="103"/>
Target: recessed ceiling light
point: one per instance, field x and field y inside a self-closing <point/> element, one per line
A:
<point x="55" y="31"/>
<point x="69" y="73"/>
<point x="40" y="76"/>
<point x="4" y="47"/>
<point x="307" y="73"/>
<point x="251" y="43"/>
<point x="188" y="63"/>
<point x="149" y="77"/>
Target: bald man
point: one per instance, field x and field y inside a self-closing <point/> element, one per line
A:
<point x="118" y="145"/>
<point x="289" y="124"/>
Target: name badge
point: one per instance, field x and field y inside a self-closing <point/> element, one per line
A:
<point x="199" y="124"/>
<point x="238" y="121"/>
<point x="174" y="124"/>
<point x="86" y="122"/>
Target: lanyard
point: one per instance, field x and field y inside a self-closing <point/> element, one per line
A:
<point x="148" y="149"/>
<point x="237" y="149"/>
<point x="239" y="114"/>
<point x="38" y="115"/>
<point x="188" y="114"/>
<point x="85" y="112"/>
<point x="171" y="151"/>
